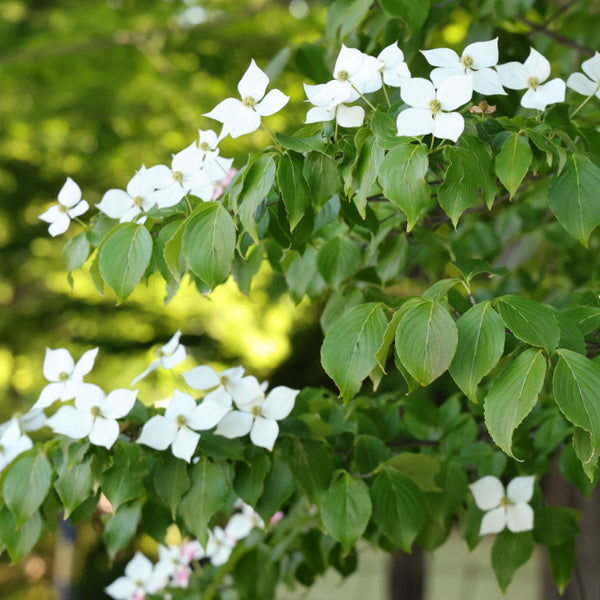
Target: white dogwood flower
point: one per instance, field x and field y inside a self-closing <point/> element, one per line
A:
<point x="531" y="75"/>
<point x="426" y="114"/>
<point x="94" y="415"/>
<point x="328" y="106"/>
<point x="70" y="205"/>
<point x="510" y="509"/>
<point x="588" y="84"/>
<point x="219" y="546"/>
<point x="140" y="579"/>
<point x="243" y="116"/>
<point x="394" y="70"/>
<point x="169" y="356"/>
<point x="177" y="428"/>
<point x="220" y="386"/>
<point x="12" y="442"/>
<point x="66" y="377"/>
<point x="476" y="61"/>
<point x="257" y="414"/>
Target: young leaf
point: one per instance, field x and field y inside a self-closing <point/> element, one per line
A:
<point x="346" y="510"/>
<point x="576" y="383"/>
<point x="209" y="243"/>
<point x="530" y="321"/>
<point x="509" y="552"/>
<point x="512" y="162"/>
<point x="348" y="351"/>
<point x="426" y="340"/>
<point x="513" y="395"/>
<point x="293" y="187"/>
<point x="124" y="256"/>
<point x="480" y="346"/>
<point x="573" y="197"/>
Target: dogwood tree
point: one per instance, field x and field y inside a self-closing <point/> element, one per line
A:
<point x="408" y="207"/>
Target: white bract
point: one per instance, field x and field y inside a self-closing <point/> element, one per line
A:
<point x="531" y="75"/>
<point x="426" y="114"/>
<point x="394" y="70"/>
<point x="257" y="415"/>
<point x="588" y="84"/>
<point x="65" y="376"/>
<point x="219" y="546"/>
<point x="356" y="73"/>
<point x="127" y="205"/>
<point x="328" y="106"/>
<point x="12" y="442"/>
<point x="177" y="428"/>
<point x="476" y="61"/>
<point x="94" y="415"/>
<point x="169" y="356"/>
<point x="70" y="205"/>
<point x="220" y="386"/>
<point x="243" y="116"/>
<point x="510" y="509"/>
<point x="140" y="579"/>
<point x="242" y="523"/>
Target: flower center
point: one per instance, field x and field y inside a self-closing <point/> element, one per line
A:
<point x="96" y="412"/>
<point x="178" y="176"/>
<point x="224" y="379"/>
<point x="342" y="75"/>
<point x="204" y="146"/>
<point x="137" y="201"/>
<point x="181" y="420"/>
<point x="63" y="376"/>
<point x="249" y="101"/>
<point x="505" y="502"/>
<point x="467" y="61"/>
<point x="62" y="208"/>
<point x="532" y="83"/>
<point x="435" y="106"/>
<point x="255" y="410"/>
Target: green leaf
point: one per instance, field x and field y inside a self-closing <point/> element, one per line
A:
<point x="530" y="321"/>
<point x="256" y="574"/>
<point x="173" y="256"/>
<point x="398" y="507"/>
<point x="76" y="251"/>
<point x="256" y="184"/>
<point x="123" y="481"/>
<point x="512" y="162"/>
<point x="293" y="187"/>
<point x="26" y="485"/>
<point x="348" y="351"/>
<point x="576" y="383"/>
<point x="363" y="172"/>
<point x="344" y="16"/>
<point x="278" y="487"/>
<point x="562" y="562"/>
<point x="426" y="340"/>
<point x="586" y="453"/>
<point x="513" y="395"/>
<point x="573" y="197"/>
<point x="124" y="256"/>
<point x="320" y="171"/>
<point x="250" y="476"/>
<point x="311" y="464"/>
<point x="555" y="525"/>
<point x="338" y="259"/>
<point x="346" y="510"/>
<point x="19" y="541"/>
<point x="209" y="243"/>
<point x="480" y="346"/>
<point x="74" y="486"/>
<point x="385" y="130"/>
<point x="509" y="552"/>
<point x="207" y="495"/>
<point x="171" y="481"/>
<point x="121" y="527"/>
<point x="402" y="177"/>
<point x="421" y="468"/>
<point x="315" y="143"/>
<point x="411" y="12"/>
<point x="369" y="452"/>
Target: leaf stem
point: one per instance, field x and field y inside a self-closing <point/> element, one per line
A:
<point x="363" y="97"/>
<point x="387" y="98"/>
<point x="581" y="105"/>
<point x="273" y="139"/>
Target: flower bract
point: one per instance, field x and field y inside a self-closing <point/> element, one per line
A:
<point x="70" y="205"/>
<point x="169" y="356"/>
<point x="588" y="84"/>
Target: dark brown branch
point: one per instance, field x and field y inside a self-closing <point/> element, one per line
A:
<point x="557" y="37"/>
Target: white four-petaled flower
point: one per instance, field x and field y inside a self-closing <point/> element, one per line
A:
<point x="169" y="356"/>
<point x="510" y="509"/>
<point x="589" y="85"/>
<point x="140" y="578"/>
<point x="12" y="442"/>
<point x="328" y="106"/>
<point x="394" y="71"/>
<point x="243" y="116"/>
<point x="531" y="75"/>
<point x="70" y="205"/>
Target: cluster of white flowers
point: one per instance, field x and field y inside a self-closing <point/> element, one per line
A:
<point x="504" y="509"/>
<point x="174" y="566"/>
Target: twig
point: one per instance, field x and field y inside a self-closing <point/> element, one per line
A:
<point x="557" y="37"/>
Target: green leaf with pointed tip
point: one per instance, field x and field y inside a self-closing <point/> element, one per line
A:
<point x="26" y="485"/>
<point x="293" y="187"/>
<point x="348" y="351"/>
<point x="562" y="561"/>
<point x="530" y="321"/>
<point x="74" y="486"/>
<point x="256" y="184"/>
<point x="209" y="242"/>
<point x="573" y="197"/>
<point x="411" y="12"/>
<point x="509" y="552"/>
<point x="171" y="481"/>
<point x="426" y="340"/>
<point x="402" y="177"/>
<point x="19" y="541"/>
<point x="480" y="346"/>
<point x="124" y="256"/>
<point x="513" y="395"/>
<point x="121" y="527"/>
<point x="76" y="251"/>
<point x="311" y="465"/>
<point x="346" y="510"/>
<point x="338" y="259"/>
<point x="364" y="171"/>
<point x="250" y="476"/>
<point x="512" y="162"/>
<point x="586" y="453"/>
<point x="322" y="177"/>
<point x="207" y="495"/>
<point x="398" y="507"/>
<point x="576" y="383"/>
<point x="421" y="468"/>
<point x="344" y="16"/>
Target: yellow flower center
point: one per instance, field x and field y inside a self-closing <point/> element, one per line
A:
<point x="137" y="201"/>
<point x="342" y="76"/>
<point x="435" y="106"/>
<point x="532" y="83"/>
<point x="505" y="502"/>
<point x="96" y="412"/>
<point x="255" y="410"/>
<point x="181" y="421"/>
<point x="204" y="146"/>
<point x="467" y="61"/>
<point x="249" y="101"/>
<point x="62" y="208"/>
<point x="63" y="376"/>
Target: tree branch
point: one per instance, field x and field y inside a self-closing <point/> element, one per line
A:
<point x="557" y="37"/>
